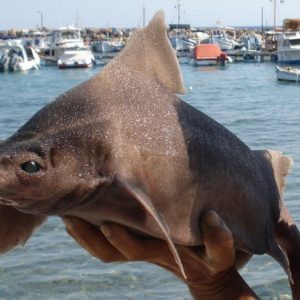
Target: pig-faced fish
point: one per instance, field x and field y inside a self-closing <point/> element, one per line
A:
<point x="123" y="147"/>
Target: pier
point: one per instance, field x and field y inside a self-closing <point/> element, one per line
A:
<point x="250" y="56"/>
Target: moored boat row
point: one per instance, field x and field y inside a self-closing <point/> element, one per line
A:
<point x="66" y="47"/>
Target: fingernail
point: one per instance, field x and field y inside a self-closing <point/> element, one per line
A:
<point x="211" y="219"/>
<point x="105" y="230"/>
<point x="68" y="222"/>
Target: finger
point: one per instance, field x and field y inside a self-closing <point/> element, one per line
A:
<point x="132" y="247"/>
<point x="218" y="242"/>
<point x="241" y="258"/>
<point x="92" y="239"/>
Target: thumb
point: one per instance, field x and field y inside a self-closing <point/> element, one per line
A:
<point x="218" y="242"/>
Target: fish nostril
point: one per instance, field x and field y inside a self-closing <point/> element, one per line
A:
<point x="5" y="160"/>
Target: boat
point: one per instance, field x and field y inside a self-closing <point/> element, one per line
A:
<point x="80" y="58"/>
<point x="222" y="37"/>
<point x="250" y="42"/>
<point x="288" y="73"/>
<point x="108" y="46"/>
<point x="38" y="40"/>
<point x="111" y="45"/>
<point x="250" y="48"/>
<point x="178" y="34"/>
<point x="288" y="48"/>
<point x="61" y="40"/>
<point x="288" y="43"/>
<point x="208" y="55"/>
<point x="16" y="57"/>
<point x="182" y="44"/>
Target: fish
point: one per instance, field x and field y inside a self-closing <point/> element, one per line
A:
<point x="124" y="147"/>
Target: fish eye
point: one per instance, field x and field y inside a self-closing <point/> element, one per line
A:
<point x="31" y="167"/>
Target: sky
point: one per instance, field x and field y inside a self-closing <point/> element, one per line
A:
<point x="128" y="13"/>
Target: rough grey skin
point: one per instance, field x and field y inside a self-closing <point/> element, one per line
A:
<point x="123" y="147"/>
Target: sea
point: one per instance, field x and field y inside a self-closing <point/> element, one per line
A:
<point x="244" y="97"/>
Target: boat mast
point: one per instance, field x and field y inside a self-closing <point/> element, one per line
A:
<point x="178" y="11"/>
<point x="262" y="22"/>
<point x="275" y="4"/>
<point x="274" y="14"/>
<point x="144" y="14"/>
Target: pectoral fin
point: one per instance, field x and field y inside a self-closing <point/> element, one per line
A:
<point x="146" y="202"/>
<point x="16" y="227"/>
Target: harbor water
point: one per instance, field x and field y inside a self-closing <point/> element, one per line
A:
<point x="246" y="98"/>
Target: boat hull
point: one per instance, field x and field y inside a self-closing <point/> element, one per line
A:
<point x="80" y="58"/>
<point x="74" y="66"/>
<point x="203" y="62"/>
<point x="288" y="74"/>
<point x="289" y="57"/>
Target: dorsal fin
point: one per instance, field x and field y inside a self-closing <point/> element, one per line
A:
<point x="150" y="52"/>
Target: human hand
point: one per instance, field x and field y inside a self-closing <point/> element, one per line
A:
<point x="210" y="268"/>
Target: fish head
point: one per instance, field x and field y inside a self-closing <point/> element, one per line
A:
<point x="51" y="172"/>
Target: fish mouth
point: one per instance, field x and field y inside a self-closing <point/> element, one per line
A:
<point x="17" y="202"/>
<point x="10" y="202"/>
<point x="35" y="206"/>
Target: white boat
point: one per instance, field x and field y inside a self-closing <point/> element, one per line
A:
<point x="38" y="40"/>
<point x="288" y="48"/>
<point x="61" y="40"/>
<point x="250" y="42"/>
<point x="222" y="38"/>
<point x="182" y="43"/>
<point x="16" y="57"/>
<point x="288" y="74"/>
<point x="111" y="46"/>
<point x="81" y="58"/>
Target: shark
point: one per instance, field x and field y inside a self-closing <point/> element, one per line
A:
<point x="124" y="147"/>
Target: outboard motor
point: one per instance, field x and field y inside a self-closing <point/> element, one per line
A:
<point x="13" y="62"/>
<point x="4" y="61"/>
<point x="222" y="59"/>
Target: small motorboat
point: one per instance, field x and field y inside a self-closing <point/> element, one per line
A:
<point x="79" y="58"/>
<point x="288" y="73"/>
<point x="208" y="55"/>
<point x="16" y="57"/>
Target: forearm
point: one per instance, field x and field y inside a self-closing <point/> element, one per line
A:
<point x="224" y="286"/>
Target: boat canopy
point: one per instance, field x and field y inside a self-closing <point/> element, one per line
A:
<point x="202" y="51"/>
